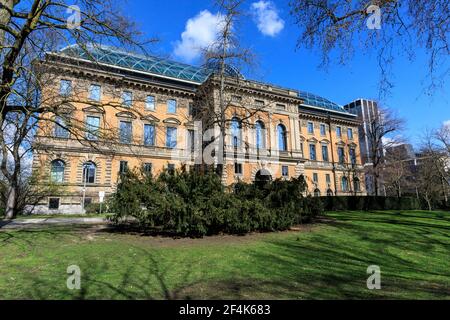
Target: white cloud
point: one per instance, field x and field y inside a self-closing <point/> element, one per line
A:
<point x="200" y="32"/>
<point x="267" y="19"/>
<point x="447" y="123"/>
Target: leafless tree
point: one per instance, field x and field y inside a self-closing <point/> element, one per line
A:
<point x="397" y="171"/>
<point x="397" y="29"/>
<point x="28" y="31"/>
<point x="382" y="133"/>
<point x="428" y="179"/>
<point x="220" y="95"/>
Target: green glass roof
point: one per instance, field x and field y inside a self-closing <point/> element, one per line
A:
<point x="145" y="63"/>
<point x="320" y="102"/>
<point x="172" y="69"/>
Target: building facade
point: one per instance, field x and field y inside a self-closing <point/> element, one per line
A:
<point x="111" y="111"/>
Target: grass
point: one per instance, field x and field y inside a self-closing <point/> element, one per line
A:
<point x="327" y="262"/>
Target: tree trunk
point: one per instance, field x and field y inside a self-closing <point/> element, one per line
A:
<point x="375" y="185"/>
<point x="11" y="203"/>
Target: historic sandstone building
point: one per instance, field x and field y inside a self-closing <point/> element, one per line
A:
<point x="143" y="112"/>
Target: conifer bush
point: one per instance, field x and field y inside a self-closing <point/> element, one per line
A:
<point x="196" y="204"/>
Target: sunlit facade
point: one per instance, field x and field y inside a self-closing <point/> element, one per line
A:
<point x="143" y="112"/>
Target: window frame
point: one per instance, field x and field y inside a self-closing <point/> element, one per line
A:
<point x="99" y="92"/>
<point x="92" y="135"/>
<point x="153" y="138"/>
<point x="310" y="127"/>
<point x="175" y="105"/>
<point x="60" y="173"/>
<point x="69" y="88"/>
<point x="312" y="147"/>
<point x="87" y="172"/>
<point x="58" y="200"/>
<point x="130" y="131"/>
<point x="169" y="143"/>
<point x="127" y="103"/>
<point x="147" y="103"/>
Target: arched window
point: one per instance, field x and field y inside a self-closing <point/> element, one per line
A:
<point x="329" y="193"/>
<point x="260" y="135"/>
<point x="282" y="137"/>
<point x="344" y="184"/>
<point x="356" y="184"/>
<point x="89" y="171"/>
<point x="236" y="132"/>
<point x="317" y="193"/>
<point x="57" y="171"/>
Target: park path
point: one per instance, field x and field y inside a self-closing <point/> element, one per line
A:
<point x="33" y="223"/>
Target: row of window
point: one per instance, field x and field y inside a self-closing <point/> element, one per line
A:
<point x="323" y="130"/>
<point x="345" y="187"/>
<point x="325" y="154"/>
<point x="57" y="169"/>
<point x="125" y="132"/>
<point x="260" y="130"/>
<point x="95" y="94"/>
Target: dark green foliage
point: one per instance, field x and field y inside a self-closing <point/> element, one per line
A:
<point x="369" y="203"/>
<point x="197" y="204"/>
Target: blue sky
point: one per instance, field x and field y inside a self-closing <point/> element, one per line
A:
<point x="279" y="62"/>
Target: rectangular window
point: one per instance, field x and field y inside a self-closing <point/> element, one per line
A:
<point x="310" y="128"/>
<point x="339" y="132"/>
<point x="285" y="171"/>
<point x="315" y="178"/>
<point x="341" y="155"/>
<point x="149" y="135"/>
<point x="352" y="155"/>
<point x="53" y="203"/>
<point x="147" y="168"/>
<point x="172" y="106"/>
<point x="123" y="168"/>
<point x="150" y="103"/>
<point x="125" y="132"/>
<point x="60" y="128"/>
<point x="191" y="109"/>
<point x="325" y="157"/>
<point x="171" y="168"/>
<point x="127" y="98"/>
<point x="238" y="168"/>
<point x="92" y="128"/>
<point x="95" y="92"/>
<point x="191" y="140"/>
<point x="350" y="133"/>
<point x="323" y="130"/>
<point x="259" y="103"/>
<point x="171" y="137"/>
<point x="328" y="179"/>
<point x="65" y="88"/>
<point x="312" y="152"/>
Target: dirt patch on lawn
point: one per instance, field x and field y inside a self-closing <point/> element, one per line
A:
<point x="159" y="240"/>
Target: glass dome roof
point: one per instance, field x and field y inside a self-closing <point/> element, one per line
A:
<point x="145" y="63"/>
<point x="320" y="102"/>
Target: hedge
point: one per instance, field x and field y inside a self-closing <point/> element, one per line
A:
<point x="190" y="204"/>
<point x="368" y="203"/>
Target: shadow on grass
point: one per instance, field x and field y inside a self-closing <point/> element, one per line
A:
<point x="413" y="256"/>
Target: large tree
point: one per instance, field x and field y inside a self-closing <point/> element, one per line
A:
<point x="28" y="30"/>
<point x="386" y="28"/>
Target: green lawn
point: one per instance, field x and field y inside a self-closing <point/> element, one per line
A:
<point x="327" y="262"/>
